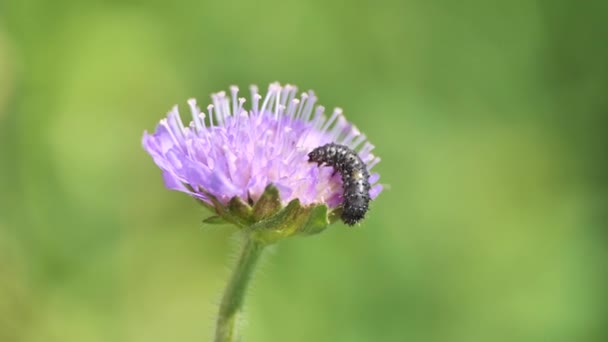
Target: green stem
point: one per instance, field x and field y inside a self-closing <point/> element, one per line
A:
<point x="234" y="295"/>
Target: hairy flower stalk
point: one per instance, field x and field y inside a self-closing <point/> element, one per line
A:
<point x="232" y="301"/>
<point x="251" y="168"/>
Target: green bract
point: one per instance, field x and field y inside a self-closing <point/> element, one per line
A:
<point x="268" y="221"/>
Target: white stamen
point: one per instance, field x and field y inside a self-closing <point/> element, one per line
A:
<point x="166" y="124"/>
<point x="292" y="107"/>
<point x="217" y="107"/>
<point x="373" y="163"/>
<point x="256" y="98"/>
<point x="226" y="109"/>
<point x="280" y="113"/>
<point x="354" y="132"/>
<point x="222" y="107"/>
<point x="175" y="121"/>
<point x="195" y="115"/>
<point x="367" y="148"/>
<point x="269" y="97"/>
<point x="234" y="90"/>
<point x="242" y="100"/>
<point x="292" y="92"/>
<point x="309" y="105"/>
<point x="338" y="128"/>
<point x="172" y="127"/>
<point x="202" y="118"/>
<point x="285" y="94"/>
<point x="319" y="117"/>
<point x="304" y="98"/>
<point x="358" y="140"/>
<point x="210" y="111"/>
<point x="277" y="102"/>
<point x="334" y="115"/>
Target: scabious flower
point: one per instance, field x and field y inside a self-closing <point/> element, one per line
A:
<point x="260" y="169"/>
<point x="230" y="158"/>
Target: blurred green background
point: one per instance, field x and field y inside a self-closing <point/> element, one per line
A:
<point x="490" y="118"/>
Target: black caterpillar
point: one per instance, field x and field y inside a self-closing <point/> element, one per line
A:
<point x="355" y="178"/>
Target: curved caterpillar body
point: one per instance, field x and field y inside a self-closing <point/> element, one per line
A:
<point x="355" y="178"/>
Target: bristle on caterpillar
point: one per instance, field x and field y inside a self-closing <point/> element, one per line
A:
<point x="355" y="178"/>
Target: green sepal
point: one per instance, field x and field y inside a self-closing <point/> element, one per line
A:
<point x="241" y="211"/>
<point x="292" y="220"/>
<point x="214" y="220"/>
<point x="225" y="213"/>
<point x="318" y="220"/>
<point x="236" y="212"/>
<point x="268" y="204"/>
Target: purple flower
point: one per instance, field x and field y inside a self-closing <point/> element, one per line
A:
<point x="230" y="151"/>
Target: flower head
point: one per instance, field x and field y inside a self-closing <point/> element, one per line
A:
<point x="231" y="153"/>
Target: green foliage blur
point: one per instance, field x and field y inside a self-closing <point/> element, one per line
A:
<point x="490" y="118"/>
